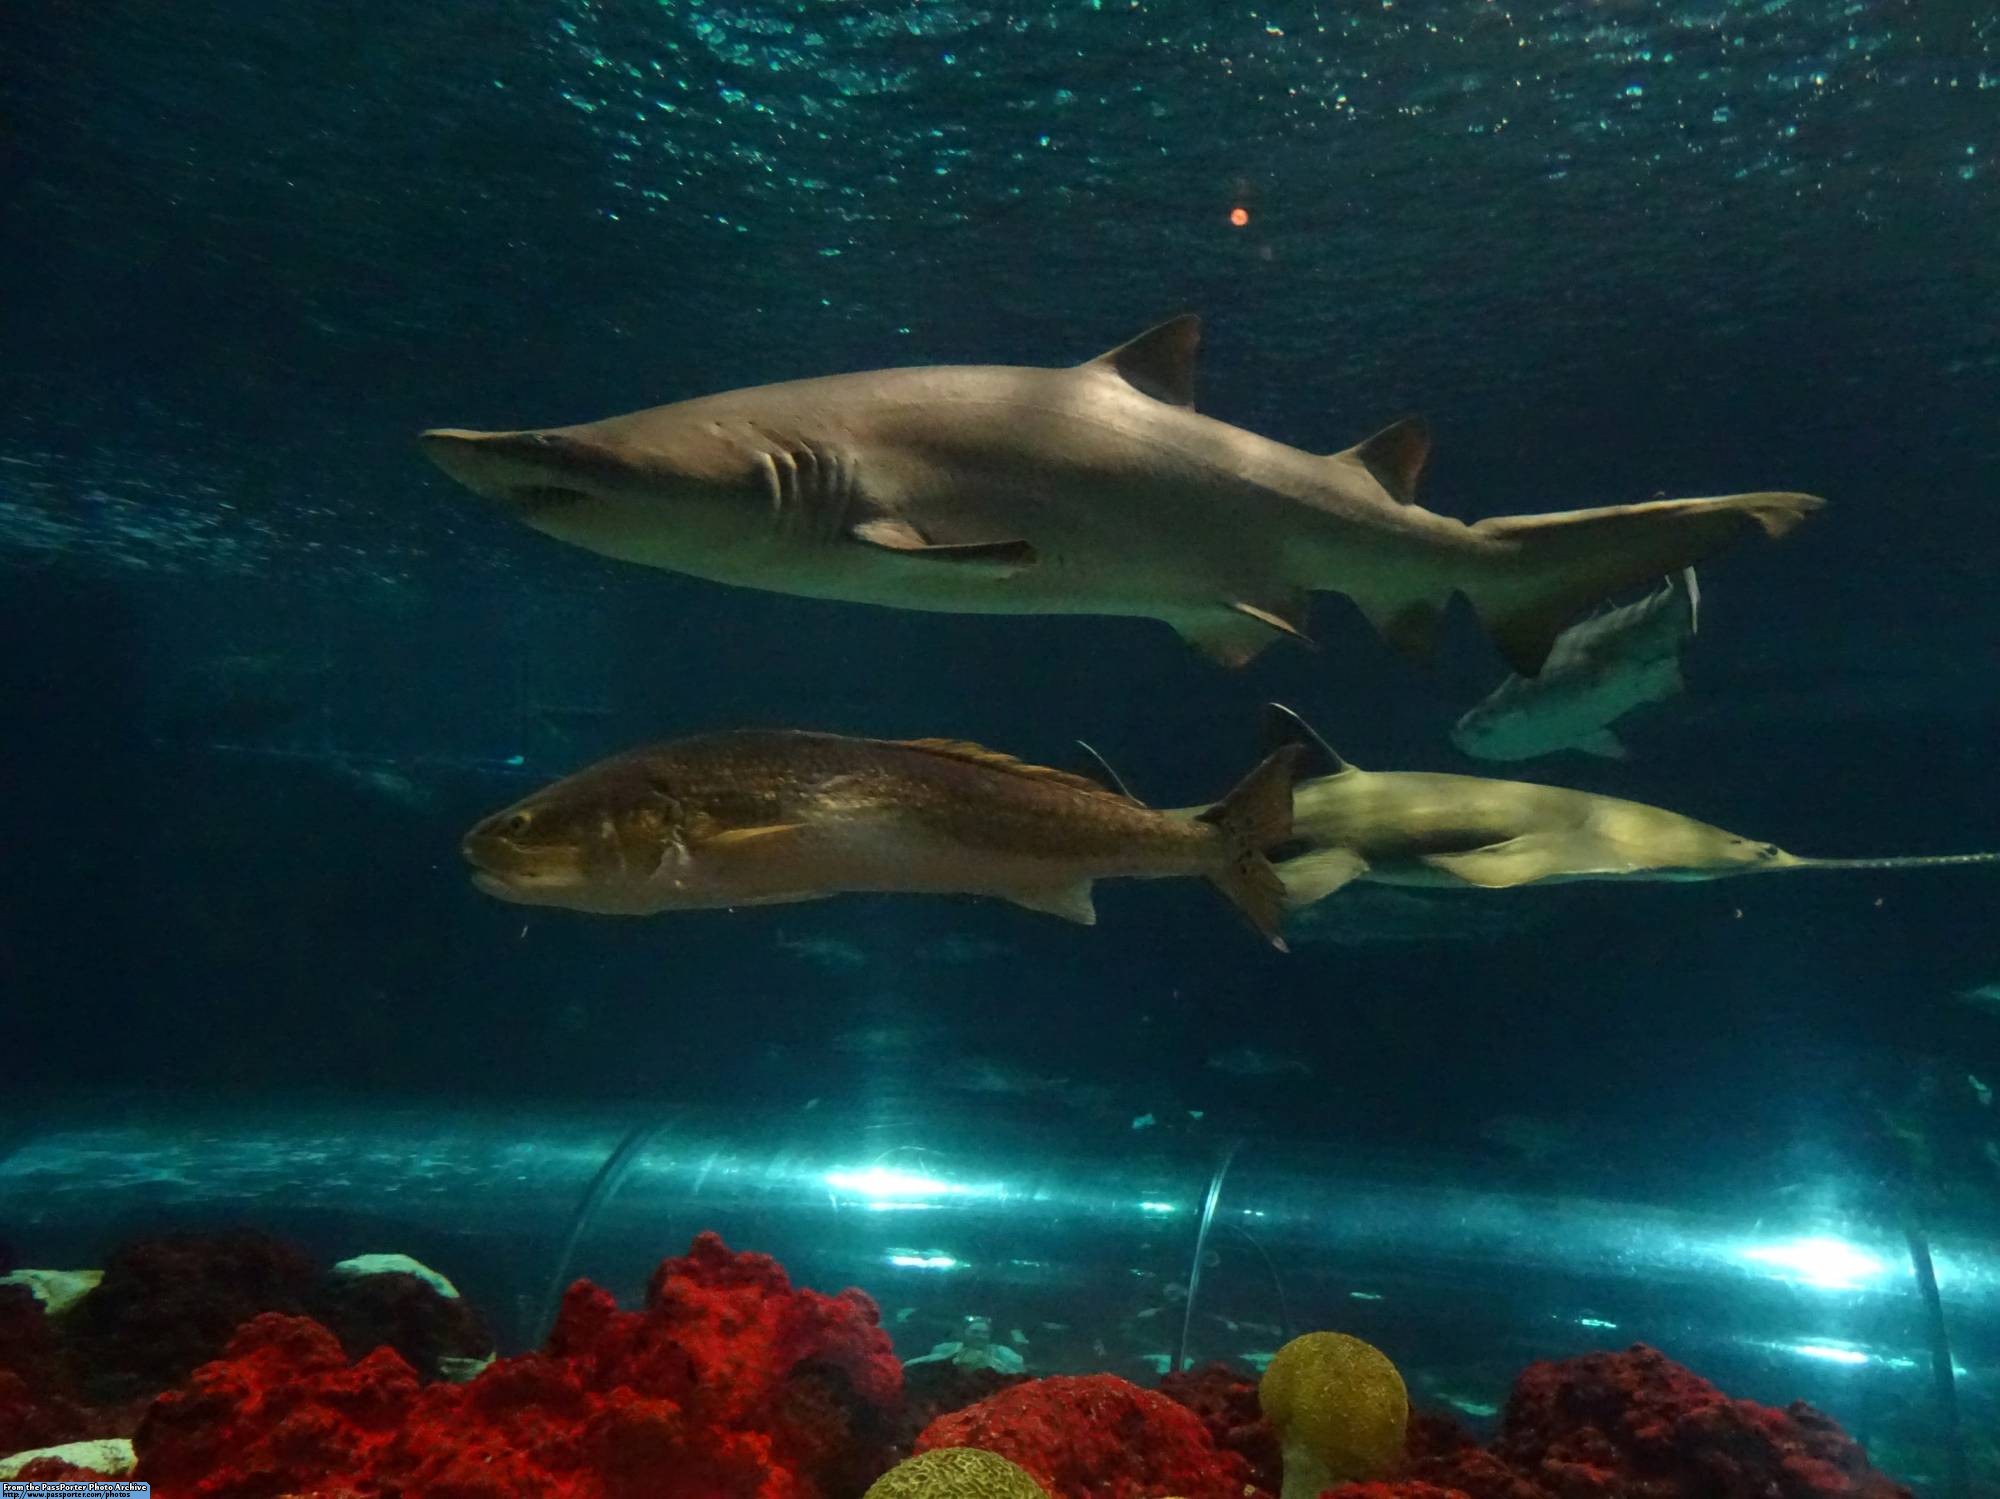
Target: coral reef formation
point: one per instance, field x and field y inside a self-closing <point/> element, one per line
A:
<point x="956" y="1473"/>
<point x="728" y="1383"/>
<point x="1226" y="1403"/>
<point x="1339" y="1408"/>
<point x="1095" y="1437"/>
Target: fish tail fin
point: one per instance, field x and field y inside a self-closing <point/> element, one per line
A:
<point x="1256" y="816"/>
<point x="1556" y="566"/>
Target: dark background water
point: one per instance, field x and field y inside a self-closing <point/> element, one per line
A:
<point x="263" y="665"/>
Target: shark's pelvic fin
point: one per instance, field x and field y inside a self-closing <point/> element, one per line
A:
<point x="1224" y="636"/>
<point x="1287" y="617"/>
<point x="900" y="536"/>
<point x="1071" y="902"/>
<point x="1316" y="875"/>
<point x="1396" y="457"/>
<point x="1160" y="361"/>
<point x="1604" y="744"/>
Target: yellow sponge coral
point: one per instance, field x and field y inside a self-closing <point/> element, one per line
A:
<point x="956" y="1473"/>
<point x="1339" y="1408"/>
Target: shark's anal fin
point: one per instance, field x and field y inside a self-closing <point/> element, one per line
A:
<point x="1071" y="902"/>
<point x="1316" y="875"/>
<point x="1159" y="361"/>
<point x="1501" y="866"/>
<point x="904" y="539"/>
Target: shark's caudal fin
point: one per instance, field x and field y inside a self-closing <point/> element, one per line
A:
<point x="1255" y="816"/>
<point x="1559" y="565"/>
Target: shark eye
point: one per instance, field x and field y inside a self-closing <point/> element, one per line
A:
<point x="518" y="823"/>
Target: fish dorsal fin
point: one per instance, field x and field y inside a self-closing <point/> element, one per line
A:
<point x="1281" y="726"/>
<point x="1396" y="457"/>
<point x="978" y="754"/>
<point x="1159" y="361"/>
<point x="1111" y="777"/>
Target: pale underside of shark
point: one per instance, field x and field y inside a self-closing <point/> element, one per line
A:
<point x="1456" y="832"/>
<point x="1600" y="669"/>
<point x="1094" y="489"/>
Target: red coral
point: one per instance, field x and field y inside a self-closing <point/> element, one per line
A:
<point x="1227" y="1404"/>
<point x="37" y="1408"/>
<point x="1096" y="1437"/>
<point x="166" y="1305"/>
<point x="729" y="1385"/>
<point x="1638" y="1424"/>
<point x="401" y="1311"/>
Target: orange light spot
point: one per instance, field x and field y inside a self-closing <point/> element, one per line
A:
<point x="1239" y="216"/>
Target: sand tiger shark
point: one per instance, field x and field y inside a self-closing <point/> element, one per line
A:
<point x="1460" y="832"/>
<point x="1096" y="489"/>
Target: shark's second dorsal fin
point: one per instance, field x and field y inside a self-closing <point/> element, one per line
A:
<point x="1396" y="457"/>
<point x="1281" y="726"/>
<point x="1160" y="361"/>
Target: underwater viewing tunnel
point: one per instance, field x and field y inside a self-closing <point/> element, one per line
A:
<point x="883" y="749"/>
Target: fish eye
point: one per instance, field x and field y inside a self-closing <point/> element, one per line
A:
<point x="518" y="823"/>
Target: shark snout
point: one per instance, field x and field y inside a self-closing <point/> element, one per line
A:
<point x="527" y="470"/>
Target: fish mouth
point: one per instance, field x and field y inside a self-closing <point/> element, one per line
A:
<point x="492" y="884"/>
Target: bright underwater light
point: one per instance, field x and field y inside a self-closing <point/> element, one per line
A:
<point x="885" y="1189"/>
<point x="910" y="1259"/>
<point x="1828" y="1263"/>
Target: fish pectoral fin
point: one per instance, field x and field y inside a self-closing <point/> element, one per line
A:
<point x="899" y="536"/>
<point x="1500" y="866"/>
<point x="1071" y="902"/>
<point x="1604" y="744"/>
<point x="738" y="837"/>
<point x="1314" y="876"/>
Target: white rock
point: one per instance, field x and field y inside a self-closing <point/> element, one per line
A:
<point x="391" y="1264"/>
<point x="111" y="1456"/>
<point x="58" y="1290"/>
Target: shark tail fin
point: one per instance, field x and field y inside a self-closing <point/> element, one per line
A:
<point x="1556" y="566"/>
<point x="1256" y="816"/>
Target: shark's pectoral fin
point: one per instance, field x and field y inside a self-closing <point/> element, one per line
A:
<point x="1500" y="866"/>
<point x="1604" y="743"/>
<point x="905" y="540"/>
<point x="1315" y="876"/>
<point x="1159" y="361"/>
<point x="1071" y="902"/>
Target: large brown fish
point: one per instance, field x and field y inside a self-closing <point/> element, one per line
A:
<point x="1091" y="490"/>
<point x="756" y="818"/>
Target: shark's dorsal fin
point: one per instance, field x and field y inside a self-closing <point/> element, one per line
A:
<point x="1281" y="726"/>
<point x="1396" y="457"/>
<point x="991" y="759"/>
<point x="1159" y="361"/>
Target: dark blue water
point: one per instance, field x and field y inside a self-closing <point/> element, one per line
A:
<point x="263" y="665"/>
